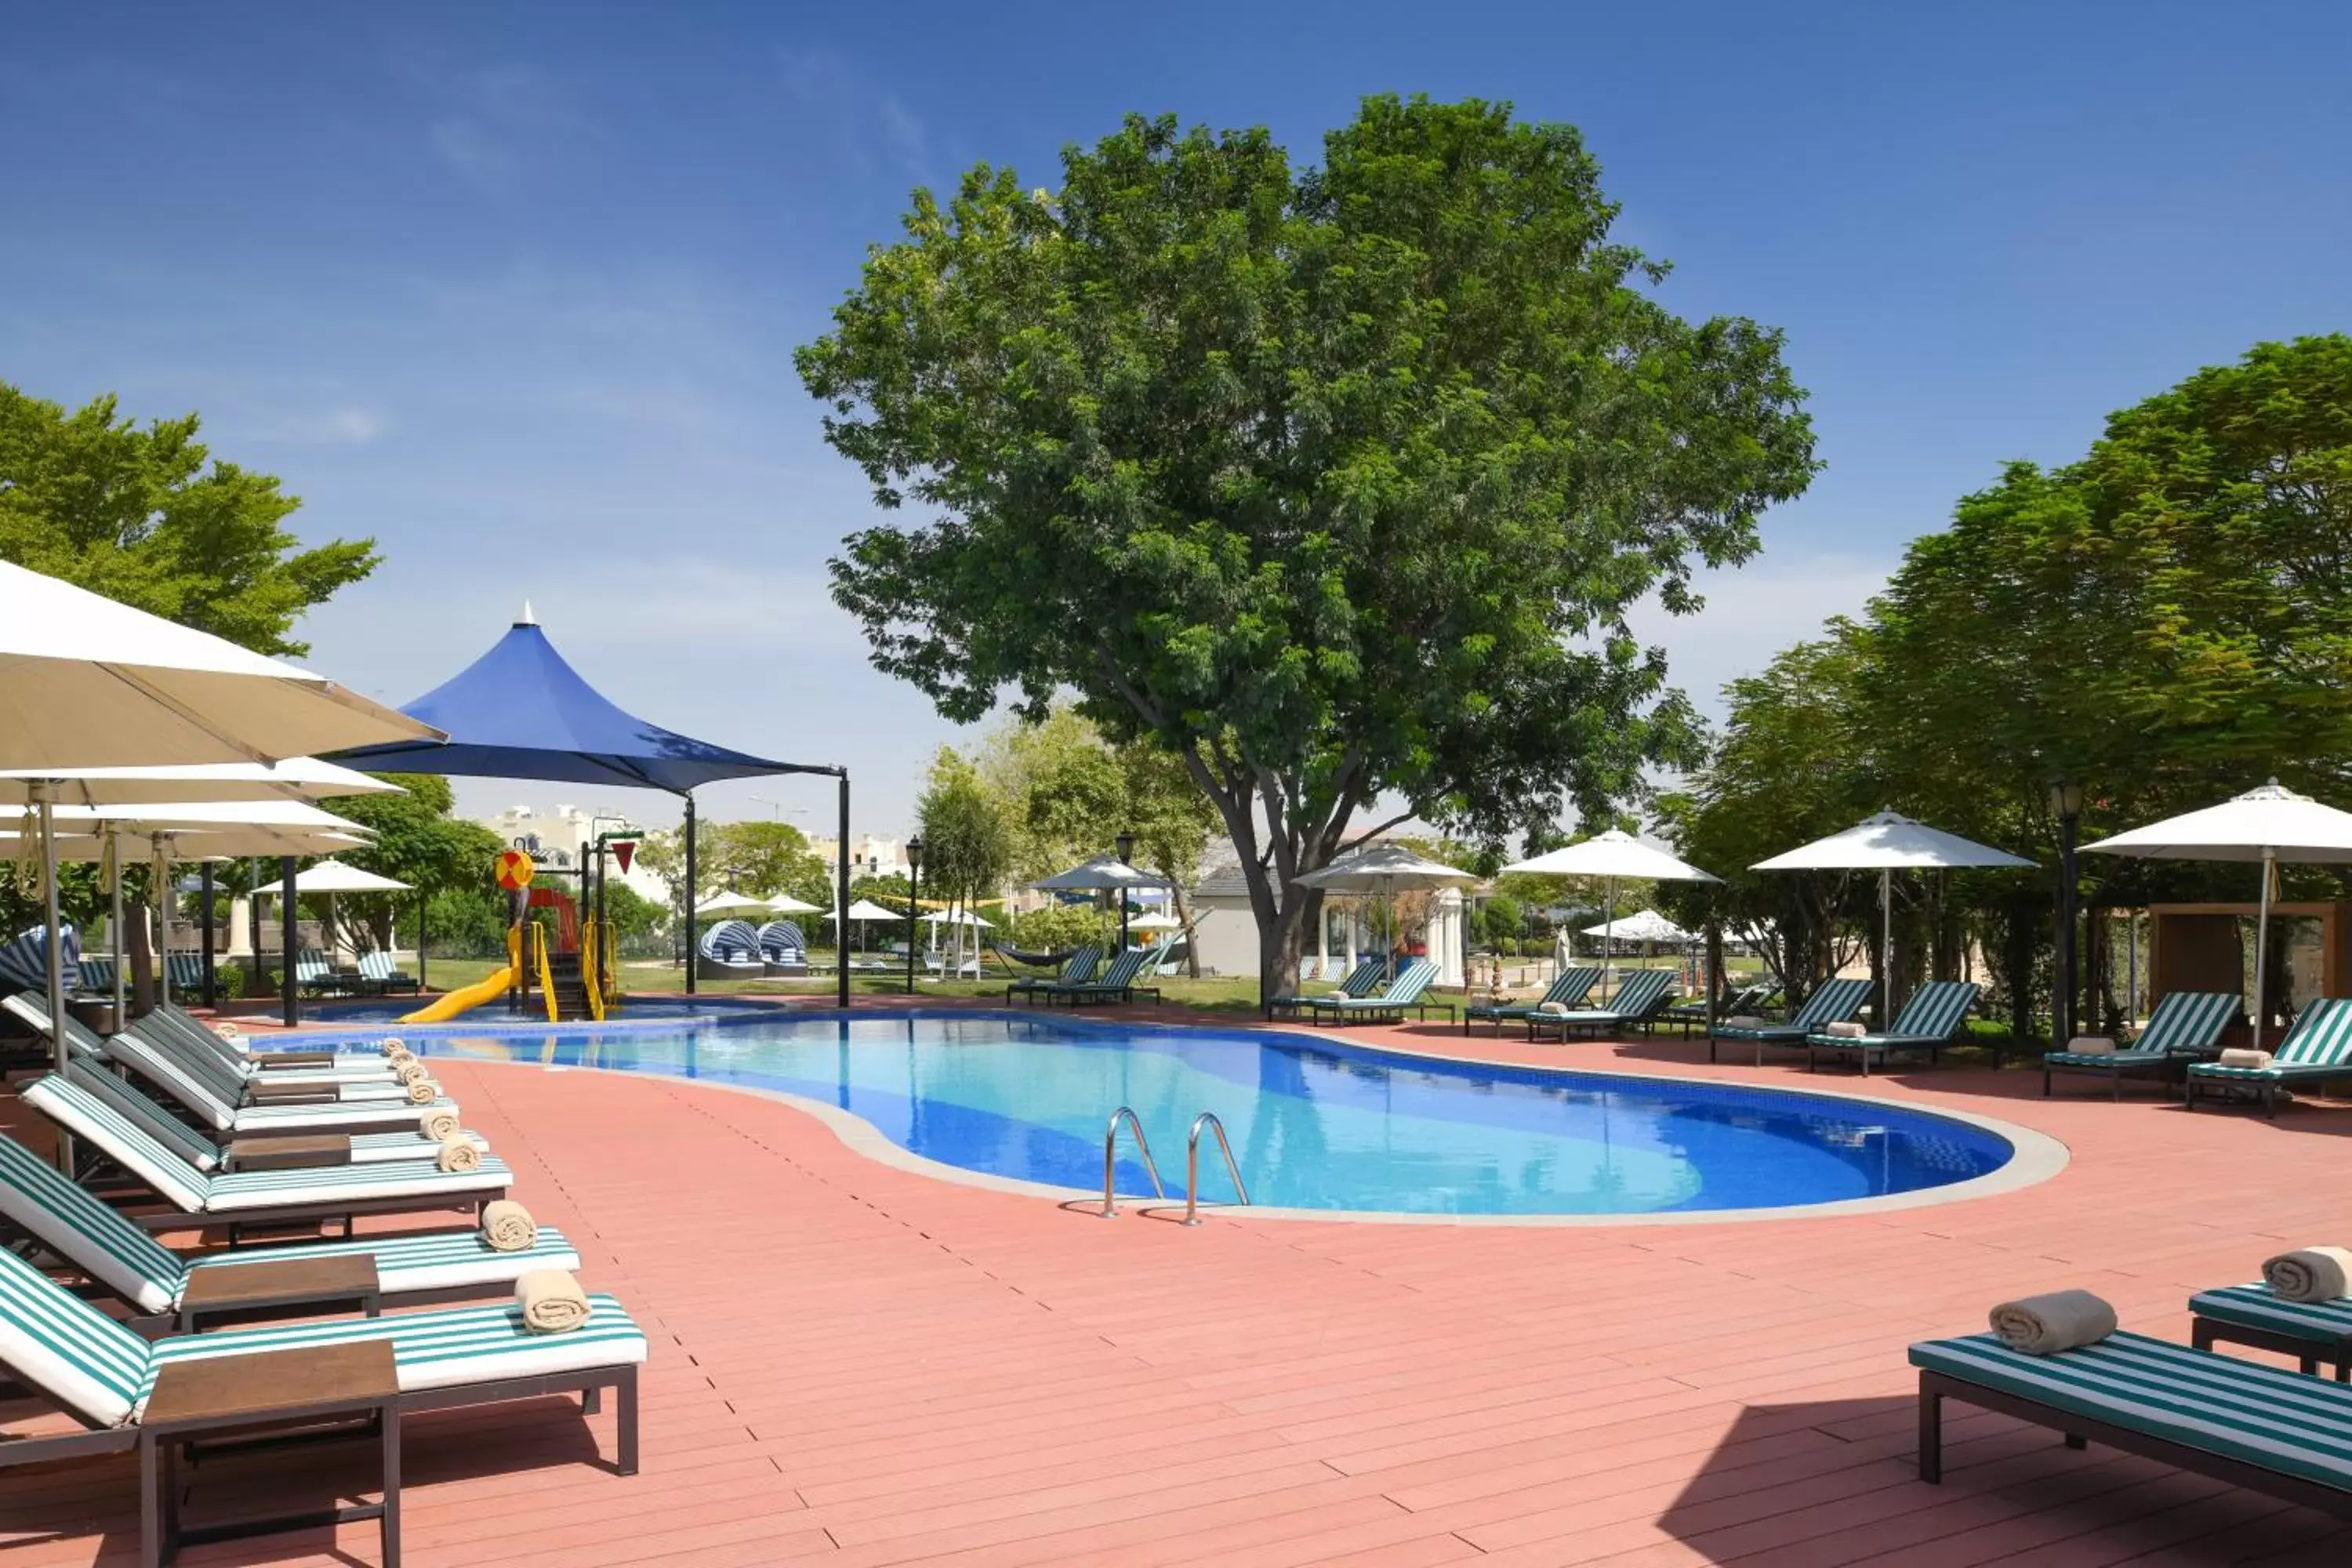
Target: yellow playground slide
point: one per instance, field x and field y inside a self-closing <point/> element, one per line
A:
<point x="449" y="1004"/>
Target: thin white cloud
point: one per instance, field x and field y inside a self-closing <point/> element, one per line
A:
<point x="870" y="125"/>
<point x="490" y="123"/>
<point x="1752" y="613"/>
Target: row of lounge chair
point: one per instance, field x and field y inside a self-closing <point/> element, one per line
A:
<point x="2286" y="1434"/>
<point x="1084" y="981"/>
<point x="164" y="1117"/>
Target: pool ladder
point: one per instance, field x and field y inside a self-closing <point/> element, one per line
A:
<point x="1206" y="1120"/>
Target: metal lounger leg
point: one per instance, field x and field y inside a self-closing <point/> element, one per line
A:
<point x="628" y="1416"/>
<point x="1931" y="1434"/>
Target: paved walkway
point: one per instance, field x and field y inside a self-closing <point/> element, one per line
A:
<point x="859" y="1366"/>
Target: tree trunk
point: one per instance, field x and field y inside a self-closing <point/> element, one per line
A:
<point x="1184" y="919"/>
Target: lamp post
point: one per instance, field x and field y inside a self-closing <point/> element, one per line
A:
<point x="914" y="909"/>
<point x="2066" y="805"/>
<point x="1125" y="842"/>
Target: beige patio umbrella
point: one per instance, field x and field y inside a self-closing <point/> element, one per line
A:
<point x="1614" y="856"/>
<point x="1383" y="869"/>
<point x="86" y="682"/>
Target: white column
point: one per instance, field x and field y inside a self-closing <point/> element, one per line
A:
<point x="1446" y="927"/>
<point x="1323" y="941"/>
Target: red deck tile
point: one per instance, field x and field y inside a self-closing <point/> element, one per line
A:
<point x="890" y="1369"/>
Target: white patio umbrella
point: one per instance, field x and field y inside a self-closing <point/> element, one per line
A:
<point x="2267" y="824"/>
<point x="1103" y="873"/>
<point x="1887" y="843"/>
<point x="1383" y="869"/>
<point x="731" y="903"/>
<point x="86" y="682"/>
<point x="296" y="778"/>
<point x="331" y="877"/>
<point x="866" y="910"/>
<point x="1614" y="856"/>
<point x="1648" y="925"/>
<point x="957" y="918"/>
<point x="785" y="904"/>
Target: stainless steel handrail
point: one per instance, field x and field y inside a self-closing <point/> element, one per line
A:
<point x="1193" y="1165"/>
<point x="1110" y="1160"/>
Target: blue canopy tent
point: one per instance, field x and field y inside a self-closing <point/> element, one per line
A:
<point x="520" y="711"/>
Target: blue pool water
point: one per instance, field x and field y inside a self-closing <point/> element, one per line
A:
<point x="1314" y="1126"/>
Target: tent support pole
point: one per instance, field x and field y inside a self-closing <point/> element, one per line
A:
<point x="693" y="937"/>
<point x="841" y="902"/>
<point x="289" y="917"/>
<point x="204" y="909"/>
<point x="2262" y="946"/>
<point x="44" y="792"/>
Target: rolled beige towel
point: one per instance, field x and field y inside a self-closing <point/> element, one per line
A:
<point x="1556" y="1009"/>
<point x="2060" y="1321"/>
<point x="399" y="1061"/>
<point x="2092" y="1046"/>
<point x="1744" y="1021"/>
<point x="2310" y="1274"/>
<point x="410" y="1071"/>
<point x="2239" y="1057"/>
<point x="423" y="1092"/>
<point x="551" y="1301"/>
<point x="390" y="1043"/>
<point x="459" y="1154"/>
<point x="440" y="1123"/>
<point x="1845" y="1031"/>
<point x="507" y="1227"/>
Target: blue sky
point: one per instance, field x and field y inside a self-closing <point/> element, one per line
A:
<point x="513" y="288"/>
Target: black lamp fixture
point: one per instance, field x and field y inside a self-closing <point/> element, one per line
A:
<point x="1125" y="842"/>
<point x="914" y="909"/>
<point x="2066" y="806"/>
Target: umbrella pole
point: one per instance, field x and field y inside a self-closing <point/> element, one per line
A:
<point x="1608" y="933"/>
<point x="122" y="948"/>
<point x="2262" y="945"/>
<point x="162" y="873"/>
<point x="43" y="791"/>
<point x="1886" y="954"/>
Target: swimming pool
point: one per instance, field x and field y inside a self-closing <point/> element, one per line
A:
<point x="1317" y="1126"/>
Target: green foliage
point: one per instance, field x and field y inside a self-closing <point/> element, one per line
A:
<point x="1335" y="482"/>
<point x="467" y="922"/>
<point x="1060" y="927"/>
<point x="639" y="924"/>
<point x="417" y="841"/>
<point x="1500" y="917"/>
<point x="890" y="891"/>
<point x="138" y="515"/>
<point x="966" y="849"/>
<point x="760" y="857"/>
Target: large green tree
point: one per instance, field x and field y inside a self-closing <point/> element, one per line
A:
<point x="417" y="840"/>
<point x="1338" y="482"/>
<point x="145" y="515"/>
<point x="967" y="852"/>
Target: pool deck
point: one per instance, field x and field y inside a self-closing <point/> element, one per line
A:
<point x="859" y="1365"/>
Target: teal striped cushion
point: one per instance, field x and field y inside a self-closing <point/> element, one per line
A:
<point x="331" y="1184"/>
<point x="88" y="1234"/>
<point x="437" y="1260"/>
<point x="167" y="1130"/>
<point x="2123" y="1060"/>
<point x="435" y="1350"/>
<point x="69" y="1349"/>
<point x="2188" y="1021"/>
<point x="338" y="1114"/>
<point x="2254" y="1307"/>
<point x="109" y="1131"/>
<point x="192" y="1091"/>
<point x="1935" y="1010"/>
<point x="2282" y="1421"/>
<point x="1832" y="1002"/>
<point x="2322" y="1035"/>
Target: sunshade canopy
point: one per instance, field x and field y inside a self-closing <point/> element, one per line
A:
<point x="1888" y="841"/>
<point x="191" y="844"/>
<point x="1647" y="925"/>
<point x="86" y="682"/>
<point x="520" y="711"/>
<point x="335" y="877"/>
<point x="959" y="918"/>
<point x="1100" y="874"/>
<point x="868" y="909"/>
<point x="2271" y="820"/>
<point x="1613" y="854"/>
<point x="296" y="778"/>
<point x="730" y="904"/>
<point x="785" y="904"/>
<point x="163" y="817"/>
<point x="1384" y="869"/>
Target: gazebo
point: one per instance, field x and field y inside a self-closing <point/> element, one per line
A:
<point x="520" y="712"/>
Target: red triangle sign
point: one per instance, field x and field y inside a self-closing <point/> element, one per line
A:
<point x="624" y="850"/>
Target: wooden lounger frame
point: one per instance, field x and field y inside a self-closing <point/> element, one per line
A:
<point x="1935" y="1387"/>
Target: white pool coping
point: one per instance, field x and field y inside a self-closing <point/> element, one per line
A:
<point x="2035" y="1156"/>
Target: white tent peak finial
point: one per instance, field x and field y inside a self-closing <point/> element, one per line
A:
<point x="526" y="618"/>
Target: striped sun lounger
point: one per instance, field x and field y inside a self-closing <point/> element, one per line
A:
<point x="2185" y="1025"/>
<point x="2311" y="1332"/>
<point x="255" y="1197"/>
<point x="1403" y="994"/>
<point x="241" y="1073"/>
<point x="101" y="1373"/>
<point x="2256" y="1426"/>
<point x="1693" y="1014"/>
<point x="1079" y="966"/>
<point x="314" y="1113"/>
<point x="1928" y="1023"/>
<point x="1642" y="993"/>
<point x="1832" y="1002"/>
<point x="1369" y="976"/>
<point x="1568" y="989"/>
<point x="1119" y="983"/>
<point x="438" y="1266"/>
<point x="2319" y="1047"/>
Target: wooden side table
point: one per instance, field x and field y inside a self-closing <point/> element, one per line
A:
<point x="288" y="1153"/>
<point x="276" y="1390"/>
<point x="227" y="1288"/>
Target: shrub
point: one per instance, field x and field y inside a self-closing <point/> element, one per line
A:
<point x="1059" y="927"/>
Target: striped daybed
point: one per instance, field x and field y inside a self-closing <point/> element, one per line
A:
<point x="1642" y="993"/>
<point x="101" y="1373"/>
<point x="1078" y="967"/>
<point x="257" y="1197"/>
<point x="729" y="951"/>
<point x="1568" y="989"/>
<point x="1928" y="1023"/>
<point x="1832" y="1002"/>
<point x="1403" y="994"/>
<point x="2255" y="1427"/>
<point x="90" y="1236"/>
<point x="783" y="951"/>
<point x="2185" y="1025"/>
<point x="2318" y="1047"/>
